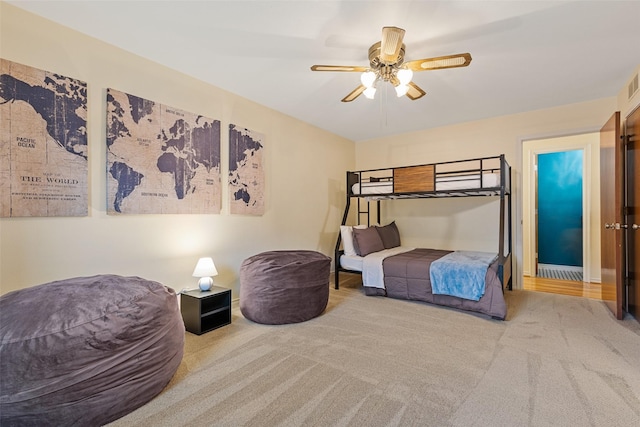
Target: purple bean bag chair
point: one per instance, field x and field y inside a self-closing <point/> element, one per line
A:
<point x="281" y="287"/>
<point x="86" y="351"/>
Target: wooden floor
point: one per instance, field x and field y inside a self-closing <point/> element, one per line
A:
<point x="563" y="287"/>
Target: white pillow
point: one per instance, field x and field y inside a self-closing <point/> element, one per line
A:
<point x="346" y="231"/>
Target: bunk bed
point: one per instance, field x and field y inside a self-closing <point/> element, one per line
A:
<point x="416" y="274"/>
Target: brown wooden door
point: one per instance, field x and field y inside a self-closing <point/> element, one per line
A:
<point x="611" y="203"/>
<point x="632" y="130"/>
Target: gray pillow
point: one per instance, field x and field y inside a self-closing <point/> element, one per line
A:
<point x="367" y="241"/>
<point x="389" y="235"/>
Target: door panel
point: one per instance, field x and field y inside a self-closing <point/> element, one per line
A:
<point x="632" y="130"/>
<point x="560" y="208"/>
<point x="611" y="202"/>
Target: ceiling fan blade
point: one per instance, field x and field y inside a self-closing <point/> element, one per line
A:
<point x="391" y="44"/>
<point x="354" y="94"/>
<point x="440" y="62"/>
<point x="415" y="92"/>
<point x="354" y="68"/>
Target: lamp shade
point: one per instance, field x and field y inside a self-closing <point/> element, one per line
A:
<point x="205" y="268"/>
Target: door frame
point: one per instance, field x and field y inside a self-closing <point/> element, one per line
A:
<point x="631" y="292"/>
<point x="531" y="148"/>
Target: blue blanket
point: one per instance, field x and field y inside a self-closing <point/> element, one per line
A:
<point x="461" y="274"/>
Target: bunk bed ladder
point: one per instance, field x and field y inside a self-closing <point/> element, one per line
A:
<point x="337" y="251"/>
<point x="361" y="211"/>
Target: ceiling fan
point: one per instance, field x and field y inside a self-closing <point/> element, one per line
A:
<point x="386" y="63"/>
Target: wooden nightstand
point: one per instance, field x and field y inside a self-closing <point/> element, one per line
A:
<point x="204" y="311"/>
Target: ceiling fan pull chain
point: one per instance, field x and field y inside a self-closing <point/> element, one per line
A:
<point x="383" y="108"/>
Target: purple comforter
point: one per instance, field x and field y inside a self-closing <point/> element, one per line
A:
<point x="406" y="276"/>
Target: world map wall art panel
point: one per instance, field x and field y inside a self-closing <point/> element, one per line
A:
<point x="43" y="143"/>
<point x="246" y="171"/>
<point x="160" y="160"/>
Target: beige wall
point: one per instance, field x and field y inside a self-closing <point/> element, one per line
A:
<point x="305" y="169"/>
<point x="472" y="223"/>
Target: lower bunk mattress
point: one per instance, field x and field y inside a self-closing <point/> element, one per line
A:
<point x="407" y="276"/>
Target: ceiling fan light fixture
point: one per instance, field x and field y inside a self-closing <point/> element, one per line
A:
<point x="401" y="90"/>
<point x="368" y="78"/>
<point x="387" y="65"/>
<point x="405" y="76"/>
<point x="369" y="92"/>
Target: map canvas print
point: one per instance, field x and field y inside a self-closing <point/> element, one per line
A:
<point x="246" y="171"/>
<point x="160" y="160"/>
<point x="43" y="143"/>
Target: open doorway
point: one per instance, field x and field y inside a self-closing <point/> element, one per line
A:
<point x="559" y="216"/>
<point x="587" y="145"/>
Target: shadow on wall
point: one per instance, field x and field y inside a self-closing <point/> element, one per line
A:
<point x="333" y="218"/>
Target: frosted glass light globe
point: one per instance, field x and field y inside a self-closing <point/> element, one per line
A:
<point x="405" y="76"/>
<point x="368" y="78"/>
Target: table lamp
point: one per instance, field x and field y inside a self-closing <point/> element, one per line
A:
<point x="205" y="269"/>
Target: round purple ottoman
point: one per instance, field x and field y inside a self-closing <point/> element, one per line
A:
<point x="86" y="351"/>
<point x="279" y="287"/>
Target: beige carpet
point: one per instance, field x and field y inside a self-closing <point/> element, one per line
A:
<point x="374" y="361"/>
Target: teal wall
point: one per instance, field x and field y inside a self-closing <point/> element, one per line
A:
<point x="560" y="208"/>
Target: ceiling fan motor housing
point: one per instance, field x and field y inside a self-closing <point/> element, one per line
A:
<point x="376" y="62"/>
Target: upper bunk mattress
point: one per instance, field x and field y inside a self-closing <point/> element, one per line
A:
<point x="486" y="180"/>
<point x="443" y="183"/>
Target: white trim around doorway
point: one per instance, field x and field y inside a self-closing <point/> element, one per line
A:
<point x="590" y="198"/>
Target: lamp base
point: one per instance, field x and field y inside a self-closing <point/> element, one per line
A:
<point x="205" y="283"/>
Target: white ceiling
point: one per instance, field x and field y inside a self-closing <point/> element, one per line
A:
<point x="527" y="55"/>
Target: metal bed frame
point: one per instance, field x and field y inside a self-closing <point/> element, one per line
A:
<point x="416" y="182"/>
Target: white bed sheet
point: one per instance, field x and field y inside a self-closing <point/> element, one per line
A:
<point x="351" y="262"/>
<point x="371" y="265"/>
